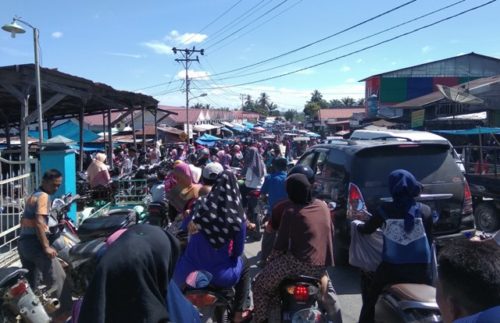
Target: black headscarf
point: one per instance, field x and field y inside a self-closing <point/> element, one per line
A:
<point x="299" y="189"/>
<point x="220" y="214"/>
<point x="404" y="187"/>
<point x="130" y="283"/>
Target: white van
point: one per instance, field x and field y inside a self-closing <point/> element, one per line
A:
<point x="405" y="135"/>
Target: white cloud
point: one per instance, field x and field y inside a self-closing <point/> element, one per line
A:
<point x="350" y="80"/>
<point x="199" y="75"/>
<point x="426" y="49"/>
<point x="125" y="55"/>
<point x="159" y="47"/>
<point x="186" y="38"/>
<point x="57" y="34"/>
<point x="345" y="68"/>
<point x="359" y="60"/>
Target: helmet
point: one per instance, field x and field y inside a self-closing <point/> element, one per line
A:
<point x="305" y="170"/>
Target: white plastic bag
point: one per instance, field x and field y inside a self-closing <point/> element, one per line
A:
<point x="365" y="251"/>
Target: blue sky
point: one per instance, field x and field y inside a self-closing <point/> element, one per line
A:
<point x="127" y="44"/>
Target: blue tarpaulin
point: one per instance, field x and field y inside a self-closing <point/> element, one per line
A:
<point x="473" y="131"/>
<point x="69" y="130"/>
<point x="207" y="140"/>
<point x="248" y="125"/>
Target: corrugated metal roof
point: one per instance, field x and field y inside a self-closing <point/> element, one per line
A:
<point x="433" y="62"/>
<point x="474" y="85"/>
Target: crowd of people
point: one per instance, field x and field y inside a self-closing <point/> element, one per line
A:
<point x="141" y="276"/>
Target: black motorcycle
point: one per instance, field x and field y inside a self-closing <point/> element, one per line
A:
<point x="300" y="300"/>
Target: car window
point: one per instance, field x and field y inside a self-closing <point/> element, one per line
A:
<point x="321" y="162"/>
<point x="307" y="159"/>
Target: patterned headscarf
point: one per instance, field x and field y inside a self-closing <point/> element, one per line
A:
<point x="220" y="215"/>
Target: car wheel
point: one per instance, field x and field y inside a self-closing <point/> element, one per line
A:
<point x="486" y="217"/>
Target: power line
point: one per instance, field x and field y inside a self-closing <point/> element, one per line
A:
<point x="238" y="19"/>
<point x="365" y="48"/>
<point x="251" y="22"/>
<point x="257" y="27"/>
<point x="344" y="45"/>
<point x="320" y="40"/>
<point x="216" y="19"/>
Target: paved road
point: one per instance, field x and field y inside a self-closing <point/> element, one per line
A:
<point x="345" y="280"/>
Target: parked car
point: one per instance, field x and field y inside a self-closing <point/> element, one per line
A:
<point x="353" y="174"/>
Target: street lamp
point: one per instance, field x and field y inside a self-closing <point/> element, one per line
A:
<point x="13" y="28"/>
<point x="187" y="112"/>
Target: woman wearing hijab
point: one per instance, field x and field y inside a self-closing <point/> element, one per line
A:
<point x="97" y="172"/>
<point x="303" y="245"/>
<point x="407" y="236"/>
<point x="131" y="282"/>
<point x="185" y="192"/>
<point x="217" y="246"/>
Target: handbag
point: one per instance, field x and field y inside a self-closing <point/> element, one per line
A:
<point x="365" y="250"/>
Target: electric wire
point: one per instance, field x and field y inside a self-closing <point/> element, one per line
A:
<point x="256" y="27"/>
<point x="250" y="23"/>
<point x="344" y="45"/>
<point x="238" y="19"/>
<point x="215" y="20"/>
<point x="320" y="40"/>
<point x="366" y="47"/>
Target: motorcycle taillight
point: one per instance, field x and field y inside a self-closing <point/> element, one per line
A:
<point x="201" y="299"/>
<point x="18" y="289"/>
<point x="301" y="293"/>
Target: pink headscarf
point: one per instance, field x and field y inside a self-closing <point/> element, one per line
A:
<point x="184" y="169"/>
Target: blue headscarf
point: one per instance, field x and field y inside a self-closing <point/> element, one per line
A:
<point x="404" y="188"/>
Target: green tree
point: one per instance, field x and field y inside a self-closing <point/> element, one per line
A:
<point x="290" y="115"/>
<point x="348" y="101"/>
<point x="317" y="97"/>
<point x="335" y="103"/>
<point x="263" y="104"/>
<point x="249" y="105"/>
<point x="311" y="109"/>
<point x="360" y="101"/>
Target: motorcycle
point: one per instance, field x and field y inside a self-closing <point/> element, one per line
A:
<point x="214" y="304"/>
<point x="405" y="302"/>
<point x="300" y="300"/>
<point x="18" y="301"/>
<point x="158" y="214"/>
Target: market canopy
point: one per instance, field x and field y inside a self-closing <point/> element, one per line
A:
<point x="473" y="131"/>
<point x="207" y="140"/>
<point x="69" y="130"/>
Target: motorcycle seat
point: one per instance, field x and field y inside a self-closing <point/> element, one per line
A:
<point x="87" y="249"/>
<point x="9" y="273"/>
<point x="103" y="226"/>
<point x="413" y="292"/>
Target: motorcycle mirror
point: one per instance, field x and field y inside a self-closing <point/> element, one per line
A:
<point x="332" y="205"/>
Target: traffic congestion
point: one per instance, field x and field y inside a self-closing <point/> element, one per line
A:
<point x="250" y="161"/>
<point x="171" y="228"/>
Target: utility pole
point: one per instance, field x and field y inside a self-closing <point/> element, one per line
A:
<point x="186" y="62"/>
<point x="242" y="97"/>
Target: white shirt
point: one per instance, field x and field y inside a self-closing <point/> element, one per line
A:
<point x="252" y="181"/>
<point x="158" y="192"/>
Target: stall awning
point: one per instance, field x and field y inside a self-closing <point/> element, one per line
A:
<point x="204" y="127"/>
<point x="473" y="131"/>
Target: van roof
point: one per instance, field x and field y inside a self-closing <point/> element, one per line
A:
<point x="412" y="135"/>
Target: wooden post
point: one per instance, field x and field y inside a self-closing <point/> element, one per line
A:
<point x="80" y="124"/>
<point x="49" y="128"/>
<point x="156" y="125"/>
<point x="133" y="129"/>
<point x="143" y="130"/>
<point x="110" y="140"/>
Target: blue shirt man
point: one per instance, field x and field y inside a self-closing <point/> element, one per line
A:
<point x="274" y="183"/>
